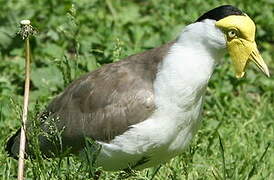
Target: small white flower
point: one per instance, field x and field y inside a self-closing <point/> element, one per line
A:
<point x="25" y="22"/>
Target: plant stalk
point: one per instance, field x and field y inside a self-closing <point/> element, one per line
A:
<point x="25" y="112"/>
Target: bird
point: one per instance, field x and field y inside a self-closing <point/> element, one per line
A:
<point x="146" y="108"/>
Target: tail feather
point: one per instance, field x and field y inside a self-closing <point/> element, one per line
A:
<point x="11" y="142"/>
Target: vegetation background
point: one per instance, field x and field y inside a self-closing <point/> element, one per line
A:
<point x="236" y="137"/>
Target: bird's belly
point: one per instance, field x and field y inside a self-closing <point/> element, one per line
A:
<point x="152" y="141"/>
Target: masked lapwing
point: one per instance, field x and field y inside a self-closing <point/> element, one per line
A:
<point x="145" y="109"/>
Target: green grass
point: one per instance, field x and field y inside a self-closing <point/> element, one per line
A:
<point x="235" y="140"/>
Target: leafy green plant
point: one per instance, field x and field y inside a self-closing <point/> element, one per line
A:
<point x="79" y="36"/>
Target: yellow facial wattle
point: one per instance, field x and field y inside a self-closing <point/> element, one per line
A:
<point x="241" y="45"/>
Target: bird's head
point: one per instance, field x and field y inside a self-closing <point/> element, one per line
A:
<point x="239" y="31"/>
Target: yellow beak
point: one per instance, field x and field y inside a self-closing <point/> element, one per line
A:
<point x="241" y="46"/>
<point x="258" y="60"/>
<point x="241" y="51"/>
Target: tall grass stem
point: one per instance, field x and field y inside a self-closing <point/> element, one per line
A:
<point x="25" y="35"/>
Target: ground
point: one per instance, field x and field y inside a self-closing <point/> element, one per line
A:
<point x="235" y="140"/>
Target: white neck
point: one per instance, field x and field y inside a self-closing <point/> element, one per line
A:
<point x="205" y="38"/>
<point x="186" y="69"/>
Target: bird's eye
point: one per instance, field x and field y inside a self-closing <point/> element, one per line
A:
<point x="232" y="33"/>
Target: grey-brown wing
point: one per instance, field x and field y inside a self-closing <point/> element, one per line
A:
<point x="106" y="102"/>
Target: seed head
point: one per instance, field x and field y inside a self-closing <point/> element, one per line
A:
<point x="26" y="30"/>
